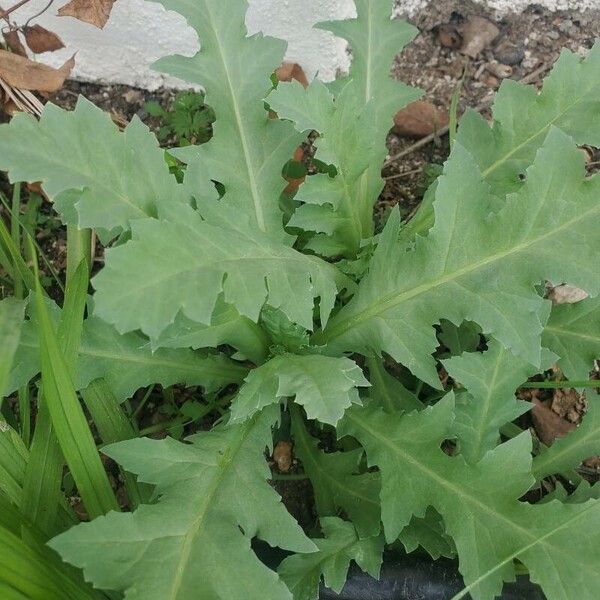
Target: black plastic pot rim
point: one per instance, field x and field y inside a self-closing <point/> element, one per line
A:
<point x="418" y="577"/>
<point x="411" y="577"/>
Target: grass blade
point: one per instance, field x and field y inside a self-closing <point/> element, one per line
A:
<point x="68" y="418"/>
<point x="11" y="317"/>
<point x="42" y="492"/>
<point x="114" y="426"/>
<point x="29" y="570"/>
<point x="18" y="267"/>
<point x="13" y="460"/>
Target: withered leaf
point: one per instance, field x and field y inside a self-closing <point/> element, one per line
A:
<point x="41" y="40"/>
<point x="95" y="12"/>
<point x="477" y="34"/>
<point x="25" y="74"/>
<point x="282" y="455"/>
<point x="13" y="41"/>
<point x="548" y="425"/>
<point x="291" y="71"/>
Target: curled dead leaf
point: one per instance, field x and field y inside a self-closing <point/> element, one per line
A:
<point x="13" y="42"/>
<point x="568" y="404"/>
<point x="41" y="40"/>
<point x="548" y="425"/>
<point x="566" y="294"/>
<point x="292" y="71"/>
<point x="282" y="456"/>
<point x="25" y="74"/>
<point x="36" y="188"/>
<point x="477" y="34"/>
<point x="16" y="100"/>
<point x="449" y="36"/>
<point x="94" y="12"/>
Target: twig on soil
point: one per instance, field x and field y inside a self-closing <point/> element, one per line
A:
<point x="444" y="130"/>
<point x="23" y="99"/>
<point x="400" y="175"/>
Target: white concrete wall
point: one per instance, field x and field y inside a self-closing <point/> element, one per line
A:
<point x="139" y="32"/>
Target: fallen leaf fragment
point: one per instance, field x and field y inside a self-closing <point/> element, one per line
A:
<point x="477" y="34"/>
<point x="548" y="425"/>
<point x="295" y="183"/>
<point x="14" y="100"/>
<point x="36" y="188"/>
<point x="449" y="36"/>
<point x="133" y="97"/>
<point x="566" y="294"/>
<point x="568" y="404"/>
<point x="13" y="41"/>
<point x="25" y="74"/>
<point x="95" y="12"/>
<point x="292" y="71"/>
<point x="41" y="40"/>
<point x="282" y="455"/>
<point x="419" y="119"/>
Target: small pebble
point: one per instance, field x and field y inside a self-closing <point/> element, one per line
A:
<point x="565" y="26"/>
<point x="492" y="82"/>
<point x="499" y="70"/>
<point x="509" y="53"/>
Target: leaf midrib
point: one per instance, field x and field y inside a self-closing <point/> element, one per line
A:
<point x="152" y="362"/>
<point x="503" y="159"/>
<point x="309" y="452"/>
<point x="381" y="305"/>
<point x="564" y="332"/>
<point x="461" y="493"/>
<point x="484" y="420"/>
<point x="260" y="218"/>
<point x="204" y="509"/>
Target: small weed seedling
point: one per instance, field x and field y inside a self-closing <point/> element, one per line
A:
<point x="188" y="121"/>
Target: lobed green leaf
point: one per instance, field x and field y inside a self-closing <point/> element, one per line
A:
<point x="326" y="386"/>
<point x="487" y="264"/>
<point x="195" y="541"/>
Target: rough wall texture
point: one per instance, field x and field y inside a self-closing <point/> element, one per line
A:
<point x="139" y="32"/>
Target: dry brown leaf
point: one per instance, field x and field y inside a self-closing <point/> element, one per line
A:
<point x="294" y="184"/>
<point x="25" y="74"/>
<point x="568" y="404"/>
<point x="14" y="100"/>
<point x="419" y="119"/>
<point x="133" y="97"/>
<point x="292" y="71"/>
<point x="41" y="40"/>
<point x="449" y="36"/>
<point x="13" y="41"/>
<point x="548" y="425"/>
<point x="36" y="188"/>
<point x="282" y="456"/>
<point x="477" y="34"/>
<point x="95" y="12"/>
<point x="566" y="294"/>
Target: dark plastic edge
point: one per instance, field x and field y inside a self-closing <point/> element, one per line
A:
<point x="407" y="577"/>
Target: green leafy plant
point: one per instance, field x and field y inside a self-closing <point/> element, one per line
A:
<point x="188" y="120"/>
<point x="292" y="314"/>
